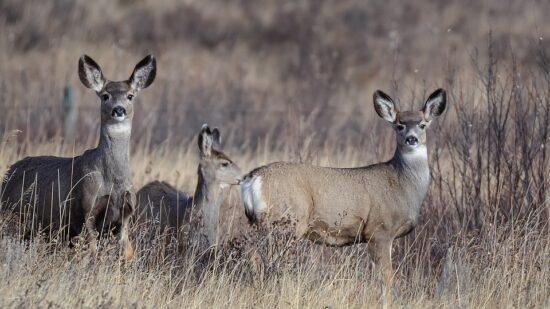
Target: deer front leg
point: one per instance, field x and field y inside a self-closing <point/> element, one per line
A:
<point x="124" y="240"/>
<point x="381" y="252"/>
<point x="93" y="210"/>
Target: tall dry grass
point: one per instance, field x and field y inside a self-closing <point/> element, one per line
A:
<point x="293" y="81"/>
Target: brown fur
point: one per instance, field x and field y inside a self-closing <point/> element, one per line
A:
<point x="172" y="208"/>
<point x="94" y="190"/>
<point x="343" y="206"/>
<point x="162" y="202"/>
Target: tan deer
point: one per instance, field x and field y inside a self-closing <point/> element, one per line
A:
<point x="343" y="206"/>
<point x="173" y="208"/>
<point x="93" y="190"/>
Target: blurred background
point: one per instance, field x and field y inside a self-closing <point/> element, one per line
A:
<point x="302" y="69"/>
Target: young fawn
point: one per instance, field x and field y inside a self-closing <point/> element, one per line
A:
<point x="173" y="208"/>
<point x="93" y="190"/>
<point x="342" y="206"/>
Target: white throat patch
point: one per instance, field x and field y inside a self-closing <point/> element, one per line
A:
<point x="420" y="152"/>
<point x="120" y="128"/>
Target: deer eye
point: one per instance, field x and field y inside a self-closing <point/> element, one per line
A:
<point x="105" y="96"/>
<point x="400" y="127"/>
<point x="130" y="97"/>
<point x="225" y="164"/>
<point x="422" y="126"/>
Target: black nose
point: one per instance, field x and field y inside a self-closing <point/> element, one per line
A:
<point x="118" y="111"/>
<point x="411" y="140"/>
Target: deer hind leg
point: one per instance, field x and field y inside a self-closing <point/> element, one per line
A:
<point x="299" y="212"/>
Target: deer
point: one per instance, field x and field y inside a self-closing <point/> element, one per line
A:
<point x="92" y="192"/>
<point x="373" y="204"/>
<point x="173" y="209"/>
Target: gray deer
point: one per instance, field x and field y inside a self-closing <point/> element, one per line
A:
<point x="172" y="208"/>
<point x="342" y="206"/>
<point x="94" y="190"/>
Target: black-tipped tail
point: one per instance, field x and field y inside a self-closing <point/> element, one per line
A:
<point x="247" y="192"/>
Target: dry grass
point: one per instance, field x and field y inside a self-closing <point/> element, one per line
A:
<point x="440" y="265"/>
<point x="293" y="81"/>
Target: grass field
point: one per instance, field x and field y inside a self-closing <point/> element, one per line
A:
<point x="443" y="263"/>
<point x="293" y="80"/>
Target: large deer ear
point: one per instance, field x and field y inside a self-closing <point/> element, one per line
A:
<point x="384" y="106"/>
<point x="435" y="105"/>
<point x="90" y="73"/>
<point x="205" y="141"/>
<point x="216" y="138"/>
<point x="144" y="73"/>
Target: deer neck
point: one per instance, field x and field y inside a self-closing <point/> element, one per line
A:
<point x="413" y="174"/>
<point x="114" y="150"/>
<point x="207" y="197"/>
<point x="207" y="200"/>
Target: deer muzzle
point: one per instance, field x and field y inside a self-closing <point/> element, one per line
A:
<point x="411" y="140"/>
<point x="118" y="112"/>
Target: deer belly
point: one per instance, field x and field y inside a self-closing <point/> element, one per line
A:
<point x="336" y="234"/>
<point x="404" y="229"/>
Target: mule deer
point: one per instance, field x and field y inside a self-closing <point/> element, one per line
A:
<point x="172" y="208"/>
<point x="94" y="189"/>
<point x="343" y="206"/>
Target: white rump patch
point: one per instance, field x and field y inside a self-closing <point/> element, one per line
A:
<point x="251" y="190"/>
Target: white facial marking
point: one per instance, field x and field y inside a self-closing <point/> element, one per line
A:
<point x="119" y="118"/>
